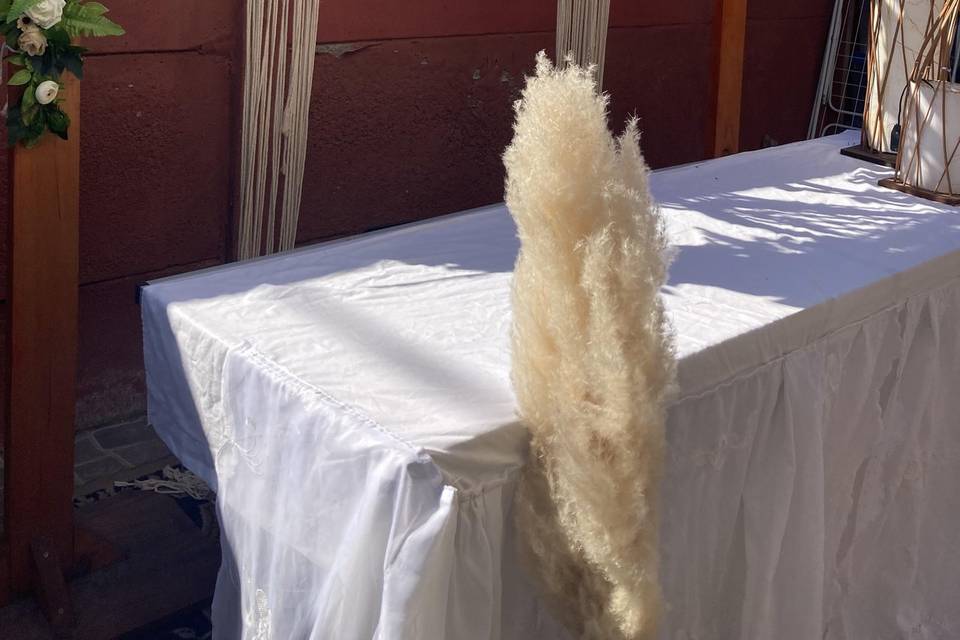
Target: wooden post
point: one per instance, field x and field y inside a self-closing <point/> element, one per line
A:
<point x="42" y="333"/>
<point x="731" y="27"/>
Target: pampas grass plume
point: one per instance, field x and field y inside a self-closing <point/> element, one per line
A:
<point x="592" y="357"/>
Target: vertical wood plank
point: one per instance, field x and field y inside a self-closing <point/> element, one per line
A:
<point x="43" y="312"/>
<point x="731" y="28"/>
<point x="5" y="596"/>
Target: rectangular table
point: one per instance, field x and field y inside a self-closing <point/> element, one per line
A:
<point x="350" y="403"/>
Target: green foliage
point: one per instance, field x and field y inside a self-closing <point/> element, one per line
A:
<point x="60" y="56"/>
<point x="87" y="19"/>
<point x="72" y="60"/>
<point x="10" y="33"/>
<point x="18" y="8"/>
<point x="29" y="120"/>
<point x="28" y="105"/>
<point x="58" y="121"/>
<point x="20" y="78"/>
<point x="57" y="36"/>
<point x="26" y="133"/>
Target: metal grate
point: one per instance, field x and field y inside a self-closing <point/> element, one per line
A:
<point x="842" y="91"/>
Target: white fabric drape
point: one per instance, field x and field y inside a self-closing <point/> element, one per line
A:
<point x="816" y="496"/>
<point x="393" y="567"/>
<point x="351" y="403"/>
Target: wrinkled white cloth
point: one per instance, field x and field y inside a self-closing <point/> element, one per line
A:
<point x="351" y="404"/>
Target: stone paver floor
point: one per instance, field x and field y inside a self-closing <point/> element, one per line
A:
<point x="116" y="452"/>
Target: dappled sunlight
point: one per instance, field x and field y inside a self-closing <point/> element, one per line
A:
<point x="793" y="232"/>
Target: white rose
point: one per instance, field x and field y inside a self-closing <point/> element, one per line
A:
<point x="32" y="41"/>
<point x="47" y="13"/>
<point x="47" y="92"/>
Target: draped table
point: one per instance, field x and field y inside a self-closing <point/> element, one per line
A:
<point x="350" y="404"/>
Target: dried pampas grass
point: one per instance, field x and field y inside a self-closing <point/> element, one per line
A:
<point x="592" y="358"/>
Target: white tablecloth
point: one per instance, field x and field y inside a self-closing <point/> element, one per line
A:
<point x="351" y="404"/>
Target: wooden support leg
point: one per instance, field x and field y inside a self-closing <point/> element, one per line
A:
<point x="43" y="312"/>
<point x="41" y="546"/>
<point x="52" y="589"/>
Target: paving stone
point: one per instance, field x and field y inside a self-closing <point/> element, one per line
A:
<point x="122" y="435"/>
<point x="143" y="452"/>
<point x="99" y="468"/>
<point x="86" y="450"/>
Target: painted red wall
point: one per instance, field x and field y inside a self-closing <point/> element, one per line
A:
<point x="411" y="110"/>
<point x="156" y="143"/>
<point x="784" y="51"/>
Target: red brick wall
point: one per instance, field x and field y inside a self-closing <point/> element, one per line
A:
<point x="411" y="110"/>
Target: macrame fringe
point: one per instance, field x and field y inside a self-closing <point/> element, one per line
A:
<point x="174" y="482"/>
<point x="582" y="27"/>
<point x="281" y="38"/>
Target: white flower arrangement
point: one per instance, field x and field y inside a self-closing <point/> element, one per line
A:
<point x="46" y="13"/>
<point x="47" y="92"/>
<point x="40" y="33"/>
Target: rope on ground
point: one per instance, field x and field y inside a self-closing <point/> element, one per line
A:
<point x="173" y="482"/>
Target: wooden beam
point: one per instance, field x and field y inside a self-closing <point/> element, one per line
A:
<point x="42" y="334"/>
<point x="731" y="28"/>
<point x="51" y="588"/>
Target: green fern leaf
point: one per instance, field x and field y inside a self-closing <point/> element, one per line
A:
<point x="93" y="8"/>
<point x="18" y="8"/>
<point x="88" y="20"/>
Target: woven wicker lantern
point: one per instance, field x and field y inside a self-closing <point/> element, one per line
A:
<point x="928" y="160"/>
<point x="897" y="30"/>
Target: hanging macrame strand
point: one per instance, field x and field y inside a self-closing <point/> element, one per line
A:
<point x="281" y="40"/>
<point x="582" y="33"/>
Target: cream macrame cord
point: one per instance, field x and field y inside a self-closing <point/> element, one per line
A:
<point x="174" y="482"/>
<point x="281" y="40"/>
<point x="582" y="33"/>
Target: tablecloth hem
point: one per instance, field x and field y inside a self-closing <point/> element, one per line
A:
<point x="749" y="371"/>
